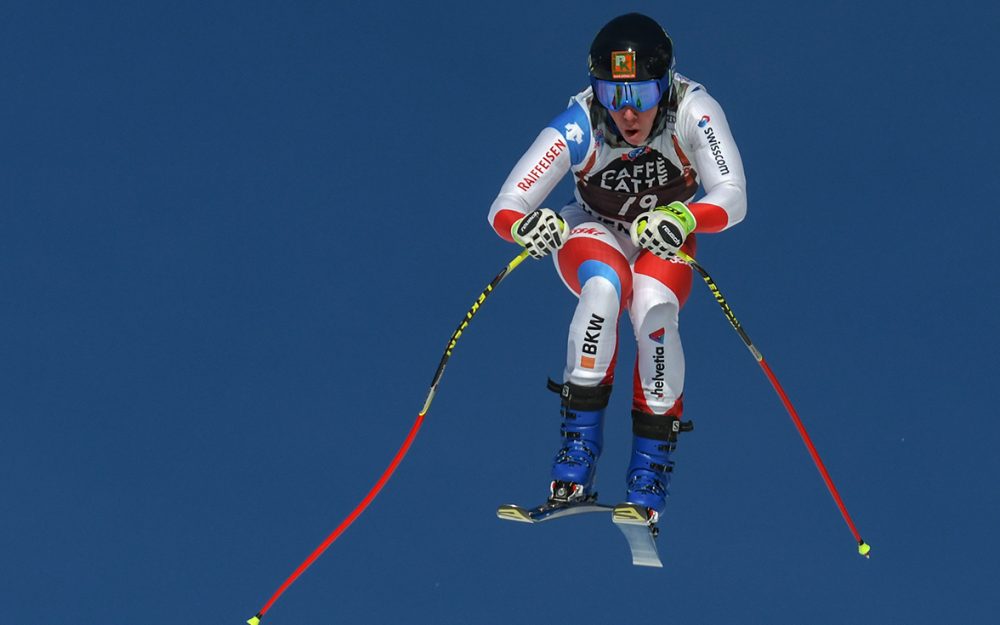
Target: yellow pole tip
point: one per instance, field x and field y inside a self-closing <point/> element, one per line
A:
<point x="254" y="621"/>
<point x="864" y="549"/>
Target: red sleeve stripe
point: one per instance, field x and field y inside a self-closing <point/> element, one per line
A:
<point x="503" y="221"/>
<point x="711" y="218"/>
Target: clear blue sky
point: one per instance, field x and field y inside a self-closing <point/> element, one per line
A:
<point x="235" y="237"/>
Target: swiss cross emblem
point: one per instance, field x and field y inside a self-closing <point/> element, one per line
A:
<point x="623" y="64"/>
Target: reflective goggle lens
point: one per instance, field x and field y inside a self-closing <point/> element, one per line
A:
<point x="615" y="96"/>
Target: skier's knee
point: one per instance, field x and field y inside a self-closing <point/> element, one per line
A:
<point x="586" y="259"/>
<point x="662" y="314"/>
<point x="600" y="287"/>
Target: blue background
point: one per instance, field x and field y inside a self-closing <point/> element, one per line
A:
<point x="235" y="238"/>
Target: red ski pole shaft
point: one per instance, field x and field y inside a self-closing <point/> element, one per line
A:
<point x="815" y="455"/>
<point x="255" y="620"/>
<point x="863" y="547"/>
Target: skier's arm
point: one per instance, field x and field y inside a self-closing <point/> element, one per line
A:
<point x="530" y="182"/>
<point x="563" y="142"/>
<point x="702" y="125"/>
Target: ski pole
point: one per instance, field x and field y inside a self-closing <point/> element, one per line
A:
<point x="863" y="547"/>
<point x="255" y="620"/>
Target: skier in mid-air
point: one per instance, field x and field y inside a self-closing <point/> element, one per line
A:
<point x="638" y="141"/>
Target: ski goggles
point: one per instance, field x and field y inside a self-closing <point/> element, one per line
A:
<point x="642" y="95"/>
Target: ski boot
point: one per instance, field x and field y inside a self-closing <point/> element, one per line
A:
<point x="654" y="439"/>
<point x="574" y="466"/>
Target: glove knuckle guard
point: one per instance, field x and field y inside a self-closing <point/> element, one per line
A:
<point x="540" y="232"/>
<point x="659" y="232"/>
<point x="528" y="223"/>
<point x="670" y="233"/>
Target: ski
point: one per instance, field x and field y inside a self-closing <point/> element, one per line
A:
<point x="641" y="536"/>
<point x="630" y="519"/>
<point x="550" y="510"/>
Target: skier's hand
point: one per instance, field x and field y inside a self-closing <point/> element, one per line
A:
<point x="541" y="232"/>
<point x="663" y="230"/>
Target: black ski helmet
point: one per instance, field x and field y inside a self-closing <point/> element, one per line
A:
<point x="631" y="47"/>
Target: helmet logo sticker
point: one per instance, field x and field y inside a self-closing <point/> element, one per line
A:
<point x="623" y="64"/>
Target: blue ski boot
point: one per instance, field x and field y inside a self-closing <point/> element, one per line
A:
<point x="654" y="439"/>
<point x="575" y="464"/>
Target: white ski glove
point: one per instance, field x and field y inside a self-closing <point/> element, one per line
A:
<point x="663" y="230"/>
<point x="541" y="232"/>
